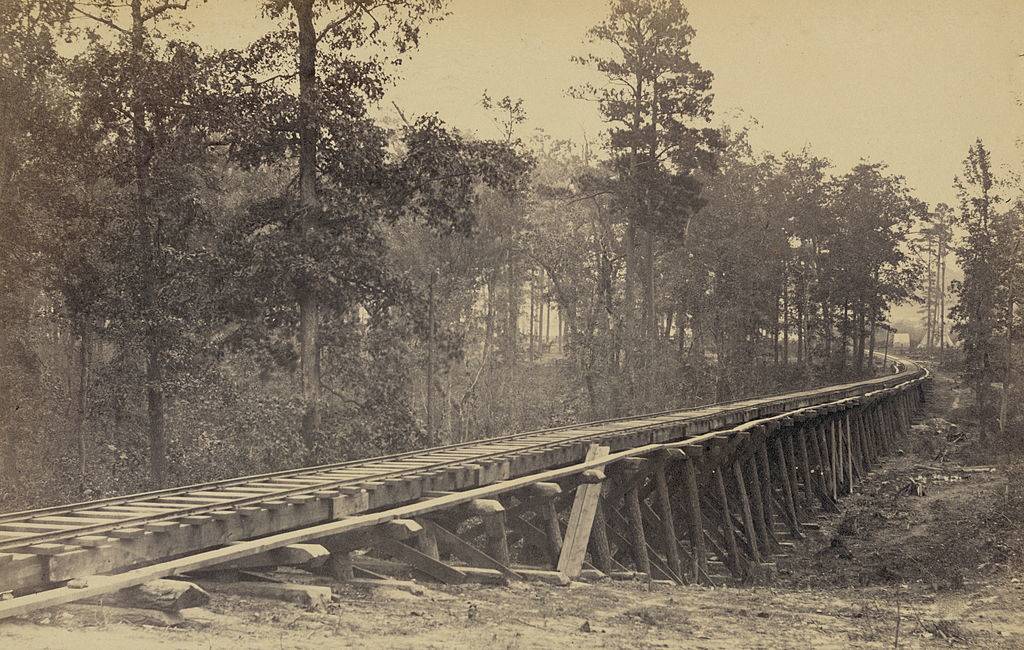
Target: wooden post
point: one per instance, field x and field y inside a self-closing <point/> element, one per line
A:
<point x="695" y="519"/>
<point x="794" y="480"/>
<point x="805" y="465"/>
<point x="426" y="542"/>
<point x="495" y="528"/>
<point x="636" y="530"/>
<point x="821" y="483"/>
<point x="849" y="455"/>
<point x="599" y="547"/>
<point x="748" y="519"/>
<point x="727" y="529"/>
<point x="581" y="520"/>
<point x="667" y="521"/>
<point x="826" y="469"/>
<point x="833" y="459"/>
<point x="787" y="491"/>
<point x="552" y="527"/>
<point x="761" y="484"/>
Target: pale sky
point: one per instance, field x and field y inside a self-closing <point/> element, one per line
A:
<point x="908" y="82"/>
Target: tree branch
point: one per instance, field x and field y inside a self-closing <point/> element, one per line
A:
<point x="109" y="23"/>
<point x="159" y="9"/>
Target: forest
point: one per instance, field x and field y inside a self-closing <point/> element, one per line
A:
<point x="222" y="262"/>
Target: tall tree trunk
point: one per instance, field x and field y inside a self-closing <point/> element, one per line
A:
<point x="78" y="418"/>
<point x="801" y="329"/>
<point x="309" y="301"/>
<point x="489" y="318"/>
<point x="561" y="328"/>
<point x="860" y="317"/>
<point x="430" y="361"/>
<point x="512" y="322"/>
<point x="871" y="351"/>
<point x="547" y="323"/>
<point x="533" y="315"/>
<point x="148" y="238"/>
<point x="681" y="331"/>
<point x="845" y="334"/>
<point x="942" y="295"/>
<point x="1008" y="368"/>
<point x="828" y="327"/>
<point x="785" y="321"/>
<point x="155" y="408"/>
<point x="628" y="314"/>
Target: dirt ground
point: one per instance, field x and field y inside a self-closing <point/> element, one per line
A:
<point x="927" y="554"/>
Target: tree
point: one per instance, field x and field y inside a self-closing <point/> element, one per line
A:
<point x="935" y="236"/>
<point x="978" y="254"/>
<point x="658" y="103"/>
<point x="317" y="246"/>
<point x="33" y="111"/>
<point x="142" y="107"/>
<point x="803" y="191"/>
<point x="876" y="214"/>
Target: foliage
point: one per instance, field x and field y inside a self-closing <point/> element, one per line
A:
<point x="228" y="262"/>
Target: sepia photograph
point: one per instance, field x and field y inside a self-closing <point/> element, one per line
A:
<point x="481" y="324"/>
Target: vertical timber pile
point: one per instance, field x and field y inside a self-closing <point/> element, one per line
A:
<point x="719" y="510"/>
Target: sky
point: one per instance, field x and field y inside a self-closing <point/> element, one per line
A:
<point x="908" y="82"/>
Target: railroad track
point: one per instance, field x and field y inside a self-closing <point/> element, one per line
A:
<point x="22" y="530"/>
<point x="44" y="548"/>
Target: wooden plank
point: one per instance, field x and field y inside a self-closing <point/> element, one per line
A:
<point x="420" y="561"/>
<point x="108" y="516"/>
<point x="465" y="551"/>
<point x="74" y="520"/>
<point x="48" y="549"/>
<point x="309" y="596"/>
<point x="127" y="533"/>
<point x="91" y="541"/>
<point x="24" y="527"/>
<point x="184" y="502"/>
<point x="581" y="520"/>
<point x="305" y="555"/>
<point x="140" y="510"/>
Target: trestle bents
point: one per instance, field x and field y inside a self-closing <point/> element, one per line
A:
<point x="703" y="513"/>
<point x="693" y="510"/>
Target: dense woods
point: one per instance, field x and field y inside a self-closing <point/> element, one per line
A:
<point x="985" y="314"/>
<point x="225" y="262"/>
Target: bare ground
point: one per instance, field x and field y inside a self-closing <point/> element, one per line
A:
<point x="926" y="554"/>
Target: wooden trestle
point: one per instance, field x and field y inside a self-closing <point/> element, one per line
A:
<point x="696" y="496"/>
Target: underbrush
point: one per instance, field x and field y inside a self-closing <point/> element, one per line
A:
<point x="941" y="514"/>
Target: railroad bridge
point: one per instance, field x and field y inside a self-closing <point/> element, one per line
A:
<point x="705" y="495"/>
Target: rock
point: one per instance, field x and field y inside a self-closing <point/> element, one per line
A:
<point x="311" y="596"/>
<point x="164" y="595"/>
<point x="391" y="593"/>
